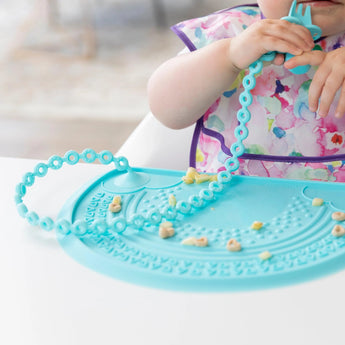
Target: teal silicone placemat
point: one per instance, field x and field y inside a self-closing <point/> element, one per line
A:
<point x="297" y="234"/>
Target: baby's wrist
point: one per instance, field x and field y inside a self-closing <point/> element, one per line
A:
<point x="233" y="65"/>
<point x="234" y="68"/>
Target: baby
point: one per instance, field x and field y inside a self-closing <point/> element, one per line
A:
<point x="297" y="128"/>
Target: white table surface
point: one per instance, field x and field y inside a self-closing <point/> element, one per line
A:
<point x="48" y="298"/>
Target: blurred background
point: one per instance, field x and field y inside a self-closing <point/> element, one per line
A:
<point x="73" y="73"/>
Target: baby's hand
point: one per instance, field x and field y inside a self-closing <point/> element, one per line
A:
<point x="328" y="79"/>
<point x="269" y="35"/>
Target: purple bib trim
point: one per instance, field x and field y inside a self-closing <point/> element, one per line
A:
<point x="176" y="28"/>
<point x="270" y="158"/>
<point x="192" y="153"/>
<point x="183" y="37"/>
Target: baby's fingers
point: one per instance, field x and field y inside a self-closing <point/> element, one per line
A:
<point x="314" y="58"/>
<point x="340" y="112"/>
<point x="328" y="90"/>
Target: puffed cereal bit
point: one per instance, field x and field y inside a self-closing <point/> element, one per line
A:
<point x="187" y="180"/>
<point x="201" y="178"/>
<point x="265" y="255"/>
<point x="166" y="230"/>
<point x="166" y="225"/>
<point x="172" y="200"/>
<point x="191" y="172"/>
<point x="233" y="245"/>
<point x="257" y="225"/>
<point x="117" y="200"/>
<point x="115" y="208"/>
<point x="338" y="231"/>
<point x="190" y="241"/>
<point x="193" y="241"/>
<point x="214" y="178"/>
<point x="201" y="242"/>
<point x="338" y="216"/>
<point x="317" y="202"/>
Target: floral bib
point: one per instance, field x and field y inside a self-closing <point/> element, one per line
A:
<point x="285" y="138"/>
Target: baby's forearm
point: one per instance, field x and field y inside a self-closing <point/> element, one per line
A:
<point x="183" y="88"/>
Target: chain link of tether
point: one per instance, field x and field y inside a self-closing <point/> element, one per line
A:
<point x="119" y="224"/>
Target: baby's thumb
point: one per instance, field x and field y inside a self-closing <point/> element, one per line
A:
<point x="314" y="58"/>
<point x="279" y="59"/>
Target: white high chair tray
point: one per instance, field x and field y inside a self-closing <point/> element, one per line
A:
<point x="48" y="298"/>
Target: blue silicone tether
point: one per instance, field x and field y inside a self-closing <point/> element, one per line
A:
<point x="135" y="180"/>
<point x="131" y="178"/>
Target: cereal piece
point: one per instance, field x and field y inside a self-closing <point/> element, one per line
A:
<point x="214" y="178"/>
<point x="338" y="216"/>
<point x="115" y="208"/>
<point x="338" y="231"/>
<point x="187" y="180"/>
<point x="257" y="225"/>
<point x="191" y="173"/>
<point x="117" y="200"/>
<point x="265" y="255"/>
<point x="233" y="245"/>
<point x="317" y="202"/>
<point x="166" y="232"/>
<point x="190" y="241"/>
<point x="201" y="178"/>
<point x="165" y="225"/>
<point x="201" y="242"/>
<point x="172" y="200"/>
<point x="193" y="241"/>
